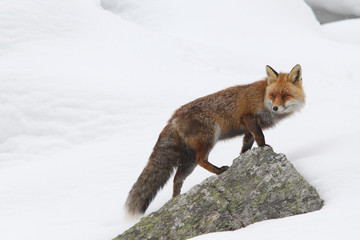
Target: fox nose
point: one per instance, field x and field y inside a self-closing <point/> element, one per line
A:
<point x="275" y="108"/>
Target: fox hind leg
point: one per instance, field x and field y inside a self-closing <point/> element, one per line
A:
<point x="184" y="170"/>
<point x="201" y="134"/>
<point x="202" y="153"/>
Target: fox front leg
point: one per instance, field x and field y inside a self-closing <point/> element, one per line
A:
<point x="248" y="141"/>
<point x="255" y="129"/>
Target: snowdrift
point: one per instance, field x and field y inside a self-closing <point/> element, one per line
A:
<point x="85" y="91"/>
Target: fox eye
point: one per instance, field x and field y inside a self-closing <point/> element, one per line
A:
<point x="285" y="95"/>
<point x="273" y="95"/>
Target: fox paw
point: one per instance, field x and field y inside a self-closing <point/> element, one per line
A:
<point x="267" y="145"/>
<point x="222" y="169"/>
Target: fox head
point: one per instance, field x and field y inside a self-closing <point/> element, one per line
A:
<point x="284" y="93"/>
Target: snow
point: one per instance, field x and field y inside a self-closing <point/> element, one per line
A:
<point x="86" y="91"/>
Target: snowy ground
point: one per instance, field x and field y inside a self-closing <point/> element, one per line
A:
<point x="85" y="92"/>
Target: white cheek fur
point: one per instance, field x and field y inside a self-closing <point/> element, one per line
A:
<point x="292" y="106"/>
<point x="268" y="104"/>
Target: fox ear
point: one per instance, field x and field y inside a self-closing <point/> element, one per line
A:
<point x="271" y="74"/>
<point x="295" y="75"/>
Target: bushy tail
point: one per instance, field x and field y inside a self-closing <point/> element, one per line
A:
<point x="160" y="166"/>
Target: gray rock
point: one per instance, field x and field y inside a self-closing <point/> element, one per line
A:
<point x="260" y="185"/>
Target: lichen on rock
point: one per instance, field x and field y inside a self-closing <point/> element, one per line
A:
<point x="260" y="185"/>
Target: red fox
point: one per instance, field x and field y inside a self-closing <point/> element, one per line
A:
<point x="194" y="129"/>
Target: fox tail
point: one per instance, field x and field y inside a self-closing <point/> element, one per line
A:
<point x="156" y="173"/>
